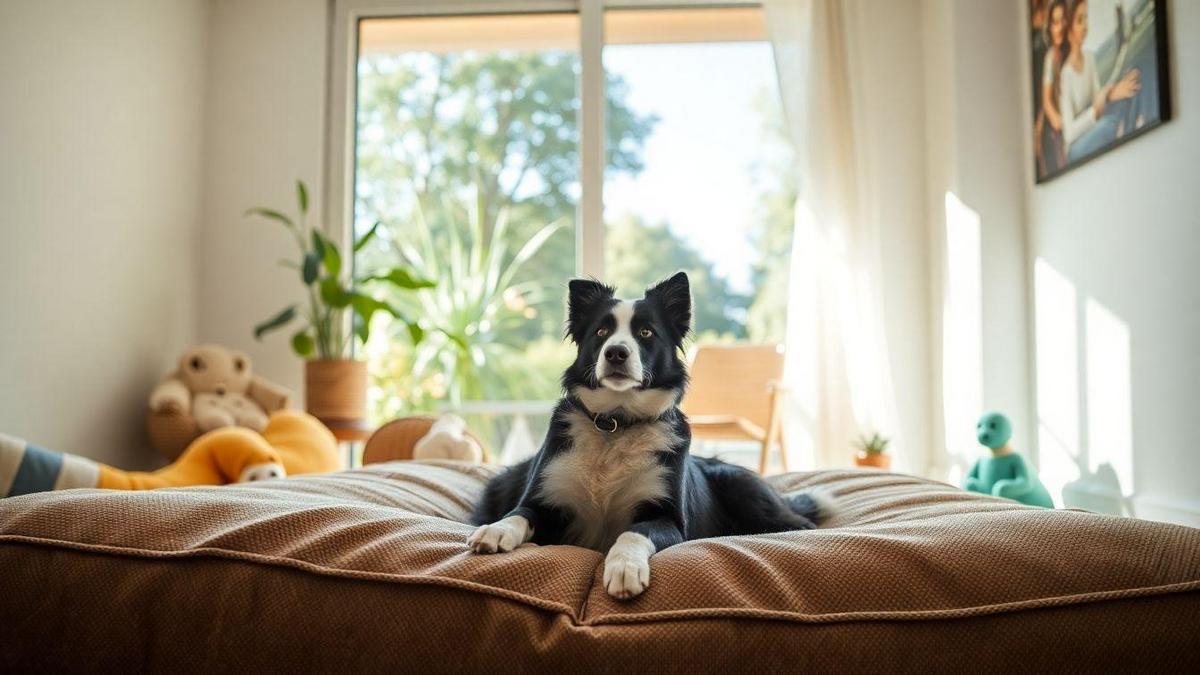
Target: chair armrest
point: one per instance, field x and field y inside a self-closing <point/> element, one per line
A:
<point x="778" y="386"/>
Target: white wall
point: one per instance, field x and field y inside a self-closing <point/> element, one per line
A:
<point x="1102" y="386"/>
<point x="264" y="118"/>
<point x="1124" y="231"/>
<point x="973" y="132"/>
<point x="100" y="132"/>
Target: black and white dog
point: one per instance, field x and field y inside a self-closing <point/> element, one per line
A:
<point x="614" y="473"/>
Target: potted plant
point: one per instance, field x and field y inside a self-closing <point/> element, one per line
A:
<point x="337" y="308"/>
<point x="871" y="452"/>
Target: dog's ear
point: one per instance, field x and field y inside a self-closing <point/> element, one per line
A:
<point x="674" y="297"/>
<point x="584" y="297"/>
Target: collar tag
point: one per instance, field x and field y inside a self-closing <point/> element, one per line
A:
<point x="609" y="430"/>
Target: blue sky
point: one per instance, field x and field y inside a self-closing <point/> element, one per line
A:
<point x="698" y="160"/>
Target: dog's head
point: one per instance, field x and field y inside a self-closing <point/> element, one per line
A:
<point x="628" y="350"/>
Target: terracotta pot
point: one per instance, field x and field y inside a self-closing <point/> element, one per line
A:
<point x="336" y="389"/>
<point x="877" y="461"/>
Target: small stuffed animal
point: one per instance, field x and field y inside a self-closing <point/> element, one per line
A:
<point x="216" y="386"/>
<point x="292" y="442"/>
<point x="423" y="437"/>
<point x="448" y="439"/>
<point x="1005" y="473"/>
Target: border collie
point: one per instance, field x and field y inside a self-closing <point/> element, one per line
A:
<point x="614" y="473"/>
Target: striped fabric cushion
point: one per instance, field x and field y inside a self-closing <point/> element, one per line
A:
<point x="26" y="468"/>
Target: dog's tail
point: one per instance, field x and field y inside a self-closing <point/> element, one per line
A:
<point x="816" y="505"/>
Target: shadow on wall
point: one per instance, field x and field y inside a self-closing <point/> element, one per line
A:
<point x="962" y="335"/>
<point x="1084" y="397"/>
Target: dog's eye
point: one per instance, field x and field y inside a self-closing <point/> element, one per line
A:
<point x="602" y="332"/>
<point x="197" y="363"/>
<point x="646" y="333"/>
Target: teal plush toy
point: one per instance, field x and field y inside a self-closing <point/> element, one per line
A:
<point x="1005" y="473"/>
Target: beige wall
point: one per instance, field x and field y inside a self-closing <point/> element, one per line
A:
<point x="100" y="128"/>
<point x="1124" y="232"/>
<point x="264" y="117"/>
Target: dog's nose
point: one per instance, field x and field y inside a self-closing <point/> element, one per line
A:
<point x="616" y="354"/>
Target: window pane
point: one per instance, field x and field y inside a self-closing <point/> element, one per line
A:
<point x="467" y="153"/>
<point x="710" y="190"/>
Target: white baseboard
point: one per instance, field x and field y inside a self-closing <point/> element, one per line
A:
<point x="1101" y="498"/>
<point x="1178" y="511"/>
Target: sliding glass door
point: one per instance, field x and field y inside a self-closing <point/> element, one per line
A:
<point x="503" y="154"/>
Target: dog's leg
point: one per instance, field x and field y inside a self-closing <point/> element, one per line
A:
<point x="501" y="536"/>
<point x="517" y="526"/>
<point x="627" y="565"/>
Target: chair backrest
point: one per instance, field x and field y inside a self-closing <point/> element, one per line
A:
<point x="733" y="380"/>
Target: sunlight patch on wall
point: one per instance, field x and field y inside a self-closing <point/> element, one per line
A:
<point x="1057" y="341"/>
<point x="1109" y="410"/>
<point x="1085" y="399"/>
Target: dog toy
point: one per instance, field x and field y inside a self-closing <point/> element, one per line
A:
<point x="448" y="439"/>
<point x="291" y="443"/>
<point x="423" y="437"/>
<point x="1005" y="473"/>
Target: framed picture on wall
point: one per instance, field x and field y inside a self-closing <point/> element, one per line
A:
<point x="1100" y="77"/>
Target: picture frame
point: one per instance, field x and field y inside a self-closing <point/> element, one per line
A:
<point x="1100" y="75"/>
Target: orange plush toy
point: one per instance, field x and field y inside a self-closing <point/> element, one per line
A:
<point x="291" y="443"/>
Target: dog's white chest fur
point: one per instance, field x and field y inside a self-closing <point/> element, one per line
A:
<point x="604" y="476"/>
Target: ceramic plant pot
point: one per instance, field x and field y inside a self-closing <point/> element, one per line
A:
<point x="336" y="389"/>
<point x="877" y="461"/>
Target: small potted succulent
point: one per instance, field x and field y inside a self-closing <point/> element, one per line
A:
<point x="871" y="452"/>
<point x="336" y="309"/>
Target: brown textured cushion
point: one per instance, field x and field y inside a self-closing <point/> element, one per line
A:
<point x="367" y="569"/>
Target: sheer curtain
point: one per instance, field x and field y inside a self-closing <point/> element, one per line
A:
<point x="837" y="360"/>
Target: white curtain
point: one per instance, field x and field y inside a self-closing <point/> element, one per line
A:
<point x="837" y="361"/>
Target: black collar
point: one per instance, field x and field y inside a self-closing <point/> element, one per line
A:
<point x="611" y="422"/>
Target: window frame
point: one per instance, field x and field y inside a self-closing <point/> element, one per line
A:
<point x="341" y="103"/>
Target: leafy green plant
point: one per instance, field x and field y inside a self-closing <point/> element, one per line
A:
<point x="873" y="445"/>
<point x="471" y="318"/>
<point x="332" y="290"/>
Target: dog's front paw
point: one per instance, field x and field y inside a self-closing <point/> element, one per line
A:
<point x="627" y="566"/>
<point x="501" y="536"/>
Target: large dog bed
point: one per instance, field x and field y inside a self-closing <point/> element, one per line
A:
<point x="367" y="570"/>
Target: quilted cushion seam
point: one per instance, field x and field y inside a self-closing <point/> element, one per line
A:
<point x="617" y="619"/>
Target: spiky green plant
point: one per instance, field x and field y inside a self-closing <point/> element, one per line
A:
<point x="332" y="290"/>
<point x="470" y="315"/>
<point x="875" y="444"/>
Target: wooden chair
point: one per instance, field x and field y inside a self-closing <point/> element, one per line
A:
<point x="734" y="395"/>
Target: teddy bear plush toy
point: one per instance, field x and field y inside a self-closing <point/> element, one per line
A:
<point x="217" y="388"/>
